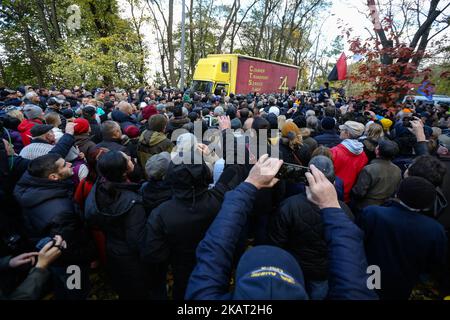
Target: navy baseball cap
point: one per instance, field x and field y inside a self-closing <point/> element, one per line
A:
<point x="269" y="273"/>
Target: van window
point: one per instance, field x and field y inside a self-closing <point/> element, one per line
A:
<point x="225" y="68"/>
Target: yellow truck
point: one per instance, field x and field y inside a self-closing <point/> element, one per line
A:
<point x="239" y="74"/>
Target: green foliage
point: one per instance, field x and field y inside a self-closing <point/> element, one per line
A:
<point x="105" y="51"/>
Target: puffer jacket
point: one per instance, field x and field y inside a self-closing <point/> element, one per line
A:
<point x="298" y="228"/>
<point x="175" y="228"/>
<point x="48" y="209"/>
<point x="121" y="216"/>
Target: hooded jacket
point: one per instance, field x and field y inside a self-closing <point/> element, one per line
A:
<point x="154" y="193"/>
<point x="151" y="143"/>
<point x="175" y="228"/>
<point x="48" y="210"/>
<point x="25" y="128"/>
<point x="348" y="159"/>
<point x="121" y="217"/>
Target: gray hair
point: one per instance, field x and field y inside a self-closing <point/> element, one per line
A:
<point x="312" y="122"/>
<point x="325" y="165"/>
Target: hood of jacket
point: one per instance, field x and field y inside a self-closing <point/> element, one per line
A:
<point x="31" y="191"/>
<point x="188" y="181"/>
<point x="155" y="192"/>
<point x="100" y="202"/>
<point x="26" y="125"/>
<point x="354" y="146"/>
<point x="157" y="137"/>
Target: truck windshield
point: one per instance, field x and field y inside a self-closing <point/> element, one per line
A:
<point x="201" y="86"/>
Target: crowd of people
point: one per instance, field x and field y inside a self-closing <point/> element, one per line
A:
<point x="99" y="179"/>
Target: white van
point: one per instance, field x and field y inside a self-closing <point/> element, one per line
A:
<point x="437" y="99"/>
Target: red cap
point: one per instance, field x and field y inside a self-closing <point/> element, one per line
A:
<point x="82" y="126"/>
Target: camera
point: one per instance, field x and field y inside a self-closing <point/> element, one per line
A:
<point x="293" y="173"/>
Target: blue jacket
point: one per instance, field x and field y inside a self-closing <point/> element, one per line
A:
<point x="329" y="138"/>
<point x="210" y="278"/>
<point x="404" y="244"/>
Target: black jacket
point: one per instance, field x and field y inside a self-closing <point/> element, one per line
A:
<point x="298" y="228"/>
<point x="96" y="131"/>
<point x="48" y="209"/>
<point x="299" y="156"/>
<point x="175" y="228"/>
<point x="328" y="138"/>
<point x="154" y="193"/>
<point x="121" y="216"/>
<point x="113" y="145"/>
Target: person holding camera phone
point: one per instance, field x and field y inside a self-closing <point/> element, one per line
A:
<point x="32" y="287"/>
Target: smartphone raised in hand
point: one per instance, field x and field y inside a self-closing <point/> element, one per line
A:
<point x="293" y="172"/>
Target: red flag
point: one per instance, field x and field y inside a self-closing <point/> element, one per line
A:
<point x="339" y="71"/>
<point x="341" y="65"/>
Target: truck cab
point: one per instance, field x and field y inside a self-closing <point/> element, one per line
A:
<point x="213" y="75"/>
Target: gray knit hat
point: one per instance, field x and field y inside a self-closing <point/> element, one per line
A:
<point x="156" y="166"/>
<point x="32" y="112"/>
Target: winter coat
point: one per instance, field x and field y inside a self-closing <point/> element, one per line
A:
<point x="15" y="138"/>
<point x="96" y="131"/>
<point x="404" y="244"/>
<point x="121" y="216"/>
<point x="175" y="228"/>
<point x="123" y="119"/>
<point x="85" y="144"/>
<point x="347" y="166"/>
<point x="300" y="155"/>
<point x="376" y="183"/>
<point x="48" y="209"/>
<point x="113" y="145"/>
<point x="151" y="143"/>
<point x="174" y="124"/>
<point x="210" y="278"/>
<point x="154" y="193"/>
<point x="329" y="138"/>
<point x="24" y="129"/>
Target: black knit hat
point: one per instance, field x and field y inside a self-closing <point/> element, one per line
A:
<point x="417" y="193"/>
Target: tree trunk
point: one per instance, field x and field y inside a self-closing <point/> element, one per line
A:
<point x="43" y="21"/>
<point x="170" y="47"/>
<point x="191" y="40"/>
<point x="3" y="74"/>
<point x="262" y="27"/>
<point x="35" y="65"/>
<point x="282" y="35"/>
<point x="233" y="12"/>
<point x="55" y="21"/>
<point x="137" y="26"/>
